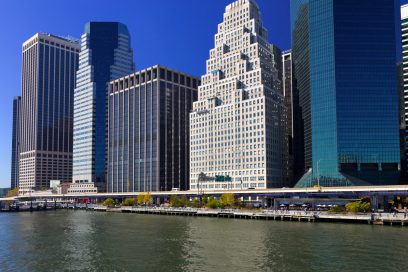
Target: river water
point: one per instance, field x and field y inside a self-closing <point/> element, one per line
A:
<point x="96" y="241"/>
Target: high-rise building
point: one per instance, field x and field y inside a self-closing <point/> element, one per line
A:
<point x="344" y="61"/>
<point x="402" y="70"/>
<point x="48" y="82"/>
<point x="106" y="54"/>
<point x="15" y="142"/>
<point x="287" y="84"/>
<point x="148" y="140"/>
<point x="238" y="124"/>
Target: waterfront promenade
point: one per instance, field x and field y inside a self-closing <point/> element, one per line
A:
<point x="396" y="219"/>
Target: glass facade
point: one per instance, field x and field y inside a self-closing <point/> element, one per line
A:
<point x="106" y="54"/>
<point x="48" y="82"/>
<point x="15" y="144"/>
<point x="350" y="89"/>
<point x="148" y="143"/>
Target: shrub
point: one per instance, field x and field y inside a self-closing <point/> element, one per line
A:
<point x="175" y="201"/>
<point x="337" y="209"/>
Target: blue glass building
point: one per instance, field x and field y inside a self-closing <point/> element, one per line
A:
<point x="105" y="55"/>
<point x="346" y="101"/>
<point x="15" y="142"/>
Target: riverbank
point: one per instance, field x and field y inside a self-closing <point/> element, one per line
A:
<point x="281" y="215"/>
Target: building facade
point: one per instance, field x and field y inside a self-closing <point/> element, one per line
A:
<point x="403" y="85"/>
<point x="15" y="142"/>
<point x="238" y="124"/>
<point x="148" y="125"/>
<point x="48" y="82"/>
<point x="347" y="103"/>
<point x="287" y="83"/>
<point x="106" y="54"/>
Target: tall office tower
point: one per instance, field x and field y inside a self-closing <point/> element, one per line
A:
<point x="403" y="80"/>
<point x="344" y="62"/>
<point x="148" y="140"/>
<point x="106" y="55"/>
<point x="277" y="68"/>
<point x="238" y="125"/>
<point x="287" y="94"/>
<point x="48" y="82"/>
<point x="15" y="142"/>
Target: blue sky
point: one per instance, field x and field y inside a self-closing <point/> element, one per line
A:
<point x="176" y="33"/>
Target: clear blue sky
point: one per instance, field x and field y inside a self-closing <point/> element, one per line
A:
<point x="176" y="33"/>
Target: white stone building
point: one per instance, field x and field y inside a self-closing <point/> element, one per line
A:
<point x="238" y="123"/>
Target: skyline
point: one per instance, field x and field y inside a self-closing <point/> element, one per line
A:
<point x="204" y="18"/>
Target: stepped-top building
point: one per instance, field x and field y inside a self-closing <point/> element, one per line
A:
<point x="238" y="137"/>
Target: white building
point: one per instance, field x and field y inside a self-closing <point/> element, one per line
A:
<point x="238" y="123"/>
<point x="404" y="30"/>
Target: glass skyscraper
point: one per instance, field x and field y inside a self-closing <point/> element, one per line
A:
<point x="105" y="55"/>
<point x="346" y="112"/>
<point x="148" y="140"/>
<point x="47" y="91"/>
<point x="15" y="141"/>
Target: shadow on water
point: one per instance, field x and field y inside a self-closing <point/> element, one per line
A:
<point x="92" y="241"/>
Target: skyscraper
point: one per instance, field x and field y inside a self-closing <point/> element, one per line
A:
<point x="403" y="85"/>
<point x="148" y="127"/>
<point x="287" y="85"/>
<point x="15" y="142"/>
<point x="346" y="108"/>
<point x="106" y="55"/>
<point x="48" y="82"/>
<point x="237" y="125"/>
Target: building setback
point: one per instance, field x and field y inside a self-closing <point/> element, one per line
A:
<point x="106" y="54"/>
<point x="15" y="142"/>
<point x="148" y="124"/>
<point x="48" y="82"/>
<point x="238" y="124"/>
<point x="346" y="109"/>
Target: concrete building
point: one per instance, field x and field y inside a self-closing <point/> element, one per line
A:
<point x="148" y="124"/>
<point x="106" y="54"/>
<point x="346" y="99"/>
<point x="48" y="82"/>
<point x="15" y="142"/>
<point x="403" y="85"/>
<point x="238" y="124"/>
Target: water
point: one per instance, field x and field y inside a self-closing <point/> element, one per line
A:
<point x="96" y="241"/>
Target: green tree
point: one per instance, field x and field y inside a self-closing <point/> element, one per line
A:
<point x="129" y="202"/>
<point x="184" y="201"/>
<point x="358" y="206"/>
<point x="337" y="209"/>
<point x="140" y="199"/>
<point x="213" y="203"/>
<point x="175" y="201"/>
<point x="195" y="203"/>
<point x="109" y="202"/>
<point x="12" y="192"/>
<point x="147" y="198"/>
<point x="228" y="200"/>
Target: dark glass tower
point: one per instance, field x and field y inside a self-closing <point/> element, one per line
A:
<point x="346" y="96"/>
<point x="48" y="80"/>
<point x="148" y="124"/>
<point x="106" y="54"/>
<point x="15" y="141"/>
